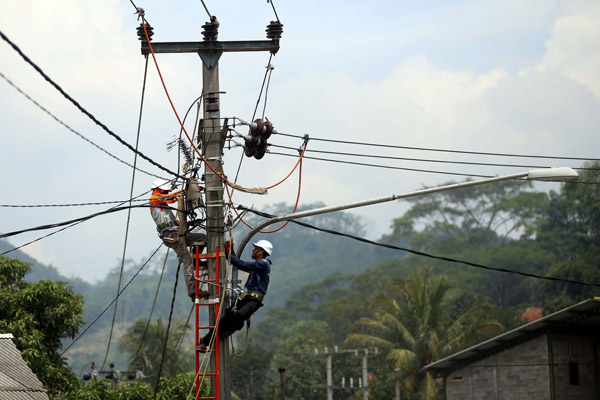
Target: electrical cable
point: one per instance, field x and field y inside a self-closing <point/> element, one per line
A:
<point x="99" y="203"/>
<point x="57" y="231"/>
<point x="428" y="160"/>
<point x="386" y="166"/>
<point x="54" y="117"/>
<point x="273" y="6"/>
<point x="81" y="219"/>
<point x="410" y="169"/>
<point x="137" y="352"/>
<point x="206" y="9"/>
<point x="137" y="141"/>
<point x="443" y="150"/>
<point x="254" y="115"/>
<point x="80" y="107"/>
<point x="111" y="303"/>
<point x="221" y="176"/>
<point x="164" y="350"/>
<point x="295" y="205"/>
<point x="423" y="254"/>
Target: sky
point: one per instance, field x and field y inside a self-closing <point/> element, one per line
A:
<point x="501" y="76"/>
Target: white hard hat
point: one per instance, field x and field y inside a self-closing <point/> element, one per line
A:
<point x="161" y="184"/>
<point x="265" y="245"/>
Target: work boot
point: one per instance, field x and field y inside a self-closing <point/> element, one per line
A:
<point x="202" y="348"/>
<point x="203" y="294"/>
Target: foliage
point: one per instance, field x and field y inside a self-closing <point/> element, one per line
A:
<point x="571" y="233"/>
<point x="176" y="388"/>
<point x="145" y="346"/>
<point x="39" y="315"/>
<point x="491" y="213"/>
<point x="413" y="329"/>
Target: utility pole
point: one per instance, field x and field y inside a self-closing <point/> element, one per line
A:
<point x="329" y="378"/>
<point x="211" y="139"/>
<point x="282" y="381"/>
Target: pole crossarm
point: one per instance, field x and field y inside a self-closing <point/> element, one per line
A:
<point x="547" y="174"/>
<point x="226" y="46"/>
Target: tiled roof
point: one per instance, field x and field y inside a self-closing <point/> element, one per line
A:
<point x="17" y="381"/>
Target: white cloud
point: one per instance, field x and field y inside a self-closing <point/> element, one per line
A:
<point x="573" y="49"/>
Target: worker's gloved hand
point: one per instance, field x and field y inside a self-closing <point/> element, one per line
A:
<point x="228" y="247"/>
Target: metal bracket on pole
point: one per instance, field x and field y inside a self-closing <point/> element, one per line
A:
<point x="210" y="58"/>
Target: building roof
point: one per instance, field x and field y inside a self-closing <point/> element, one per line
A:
<point x="17" y="381"/>
<point x="579" y="319"/>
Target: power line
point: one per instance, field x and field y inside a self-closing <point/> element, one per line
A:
<point x="423" y="254"/>
<point x="408" y="169"/>
<point x="426" y="160"/>
<point x="60" y="230"/>
<point x="81" y="219"/>
<point x="137" y="141"/>
<point x="99" y="203"/>
<point x="443" y="150"/>
<point x="80" y="107"/>
<point x="68" y="127"/>
<point x="111" y="303"/>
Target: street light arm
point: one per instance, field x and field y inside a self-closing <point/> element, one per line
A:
<point x="548" y="174"/>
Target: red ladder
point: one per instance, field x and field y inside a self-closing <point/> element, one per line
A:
<point x="216" y="303"/>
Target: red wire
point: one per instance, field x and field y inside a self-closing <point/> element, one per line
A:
<point x="299" y="162"/>
<point x="295" y="206"/>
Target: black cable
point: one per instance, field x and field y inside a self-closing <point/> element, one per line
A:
<point x="112" y="302"/>
<point x="409" y="169"/>
<point x="54" y="117"/>
<point x="162" y="359"/>
<point x="80" y="108"/>
<point x="382" y="166"/>
<point x="99" y="203"/>
<point x="425" y="160"/>
<point x="423" y="254"/>
<point x="152" y="309"/>
<point x="274" y="11"/>
<point x="187" y="321"/>
<point x="81" y="219"/>
<point x="59" y="230"/>
<point x="441" y="150"/>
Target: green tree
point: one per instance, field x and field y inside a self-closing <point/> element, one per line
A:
<point x="571" y="234"/>
<point x="39" y="315"/>
<point x="413" y="328"/>
<point x="176" y="388"/>
<point x="148" y="352"/>
<point x="461" y="218"/>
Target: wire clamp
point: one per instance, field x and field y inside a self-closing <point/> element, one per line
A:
<point x="140" y="13"/>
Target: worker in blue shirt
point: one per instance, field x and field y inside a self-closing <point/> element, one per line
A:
<point x="251" y="298"/>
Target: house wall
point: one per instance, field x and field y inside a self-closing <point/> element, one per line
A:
<point x="518" y="373"/>
<point x="584" y="352"/>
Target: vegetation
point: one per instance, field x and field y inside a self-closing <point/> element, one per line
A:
<point x="329" y="291"/>
<point x="39" y="315"/>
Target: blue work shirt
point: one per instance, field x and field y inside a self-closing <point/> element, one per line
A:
<point x="258" y="279"/>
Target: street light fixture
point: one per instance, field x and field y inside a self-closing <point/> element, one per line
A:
<point x="562" y="174"/>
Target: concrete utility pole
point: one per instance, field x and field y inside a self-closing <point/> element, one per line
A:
<point x="212" y="141"/>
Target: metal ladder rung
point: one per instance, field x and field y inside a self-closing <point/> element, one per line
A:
<point x="206" y="327"/>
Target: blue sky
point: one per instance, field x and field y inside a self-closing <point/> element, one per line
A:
<point x="500" y="76"/>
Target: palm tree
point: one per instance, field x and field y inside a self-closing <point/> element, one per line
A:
<point x="414" y="330"/>
<point x="145" y="346"/>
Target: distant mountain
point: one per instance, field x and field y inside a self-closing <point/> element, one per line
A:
<point x="41" y="271"/>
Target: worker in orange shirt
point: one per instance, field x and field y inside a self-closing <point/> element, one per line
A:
<point x="168" y="230"/>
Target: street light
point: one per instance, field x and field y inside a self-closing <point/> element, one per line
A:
<point x="562" y="174"/>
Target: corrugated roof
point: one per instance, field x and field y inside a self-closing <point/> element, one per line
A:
<point x="573" y="318"/>
<point x="17" y="381"/>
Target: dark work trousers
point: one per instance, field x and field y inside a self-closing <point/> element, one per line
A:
<point x="234" y="318"/>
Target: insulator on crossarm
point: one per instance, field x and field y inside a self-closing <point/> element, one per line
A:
<point x="142" y="35"/>
<point x="210" y="30"/>
<point x="274" y="30"/>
